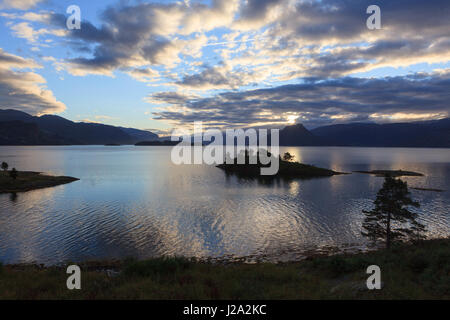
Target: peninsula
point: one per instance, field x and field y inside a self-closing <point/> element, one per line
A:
<point x="29" y="180"/>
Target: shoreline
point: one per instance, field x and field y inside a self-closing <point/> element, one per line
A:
<point x="409" y="271"/>
<point x="297" y="256"/>
<point x="30" y="180"/>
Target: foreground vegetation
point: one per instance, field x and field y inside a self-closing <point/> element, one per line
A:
<point x="419" y="271"/>
<point x="21" y="181"/>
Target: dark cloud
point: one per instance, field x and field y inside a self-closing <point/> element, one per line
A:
<point x="174" y="98"/>
<point x="213" y="78"/>
<point x="320" y="102"/>
<point x="137" y="34"/>
<point x="329" y="39"/>
<point x="24" y="90"/>
<point x="346" y="19"/>
<point x="128" y="32"/>
<point x="256" y="9"/>
<point x="317" y="43"/>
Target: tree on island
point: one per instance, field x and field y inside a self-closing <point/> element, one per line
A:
<point x="4" y="166"/>
<point x="13" y="173"/>
<point x="391" y="220"/>
<point x="288" y="157"/>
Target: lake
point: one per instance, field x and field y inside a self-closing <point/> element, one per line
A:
<point x="132" y="201"/>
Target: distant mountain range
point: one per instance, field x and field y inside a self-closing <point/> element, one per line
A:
<point x="298" y="135"/>
<point x="20" y="128"/>
<point x="433" y="134"/>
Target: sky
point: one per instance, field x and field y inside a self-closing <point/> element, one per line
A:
<point x="161" y="65"/>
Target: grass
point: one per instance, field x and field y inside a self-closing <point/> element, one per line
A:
<point x="28" y="180"/>
<point x="419" y="271"/>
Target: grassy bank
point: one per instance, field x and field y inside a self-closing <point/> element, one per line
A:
<point x="28" y="180"/>
<point x="420" y="271"/>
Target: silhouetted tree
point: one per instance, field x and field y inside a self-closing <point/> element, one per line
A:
<point x="13" y="173"/>
<point x="391" y="220"/>
<point x="288" y="157"/>
<point x="4" y="166"/>
<point x="13" y="197"/>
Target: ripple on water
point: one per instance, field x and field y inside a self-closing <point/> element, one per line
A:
<point x="138" y="204"/>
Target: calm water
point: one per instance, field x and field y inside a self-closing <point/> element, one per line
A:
<point x="132" y="201"/>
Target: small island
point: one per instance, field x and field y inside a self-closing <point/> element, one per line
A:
<point x="287" y="168"/>
<point x="392" y="173"/>
<point x="427" y="189"/>
<point x="157" y="143"/>
<point x="29" y="180"/>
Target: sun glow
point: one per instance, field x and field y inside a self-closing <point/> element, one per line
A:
<point x="291" y="119"/>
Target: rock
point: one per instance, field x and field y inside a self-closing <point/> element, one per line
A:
<point x="112" y="273"/>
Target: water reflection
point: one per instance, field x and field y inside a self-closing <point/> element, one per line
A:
<point x="133" y="202"/>
<point x="266" y="180"/>
<point x="13" y="196"/>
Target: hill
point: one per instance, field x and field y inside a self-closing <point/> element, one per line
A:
<point x="435" y="133"/>
<point x="298" y="135"/>
<point x="20" y="128"/>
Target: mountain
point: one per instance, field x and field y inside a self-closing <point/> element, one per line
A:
<point x="295" y="135"/>
<point x="23" y="133"/>
<point x="434" y="133"/>
<point x="298" y="135"/>
<point x="140" y="135"/>
<point x="20" y="128"/>
<point x="157" y="143"/>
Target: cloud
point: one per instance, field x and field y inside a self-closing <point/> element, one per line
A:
<point x="418" y="96"/>
<point x="152" y="37"/>
<point x="171" y="97"/>
<point x="24" y="90"/>
<point x="219" y="77"/>
<point x="144" y="74"/>
<point x="18" y="4"/>
<point x="328" y="39"/>
<point x="258" y="13"/>
<point x="28" y="16"/>
<point x="25" y="31"/>
<point x="195" y="49"/>
<point x="290" y="40"/>
<point x="9" y="61"/>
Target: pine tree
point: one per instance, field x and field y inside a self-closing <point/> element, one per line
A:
<point x="13" y="173"/>
<point x="391" y="220"/>
<point x="288" y="157"/>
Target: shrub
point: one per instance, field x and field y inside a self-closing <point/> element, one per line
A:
<point x="156" y="266"/>
<point x="13" y="173"/>
<point x="418" y="263"/>
<point x="337" y="265"/>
